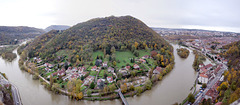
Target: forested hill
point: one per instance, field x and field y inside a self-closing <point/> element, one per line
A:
<point x="122" y="33"/>
<point x="9" y="34"/>
<point x="229" y="90"/>
<point x="232" y="54"/>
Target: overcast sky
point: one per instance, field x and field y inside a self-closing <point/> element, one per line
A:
<point x="221" y="15"/>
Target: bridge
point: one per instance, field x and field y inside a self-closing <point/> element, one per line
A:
<point x="122" y="97"/>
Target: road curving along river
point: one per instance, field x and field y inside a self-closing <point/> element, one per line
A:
<point x="173" y="88"/>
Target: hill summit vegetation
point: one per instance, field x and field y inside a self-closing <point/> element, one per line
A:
<point x="106" y="34"/>
<point x="56" y="27"/>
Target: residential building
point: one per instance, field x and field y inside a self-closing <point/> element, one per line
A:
<point x="135" y="66"/>
<point x="110" y="69"/>
<point x="94" y="68"/>
<point x="104" y="64"/>
<point x="203" y="78"/>
<point x="110" y="79"/>
<point x="157" y="70"/>
<point x="145" y="57"/>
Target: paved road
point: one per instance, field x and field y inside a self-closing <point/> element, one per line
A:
<point x="15" y="93"/>
<point x="211" y="83"/>
<point x="16" y="96"/>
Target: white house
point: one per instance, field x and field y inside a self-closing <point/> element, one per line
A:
<point x="135" y="66"/>
<point x="47" y="69"/>
<point x="104" y="64"/>
<point x="110" y="79"/>
<point x="225" y="61"/>
<point x="94" y="68"/>
<point x="157" y="70"/>
<point x="110" y="69"/>
<point x="203" y="78"/>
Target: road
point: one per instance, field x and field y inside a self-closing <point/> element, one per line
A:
<point x="16" y="96"/>
<point x="15" y="93"/>
<point x="211" y="83"/>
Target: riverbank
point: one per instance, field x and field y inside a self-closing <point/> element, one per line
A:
<point x="111" y="96"/>
<point x="174" y="87"/>
<point x="72" y="72"/>
<point x="196" y="92"/>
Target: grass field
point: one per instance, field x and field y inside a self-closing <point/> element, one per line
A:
<point x="93" y="73"/>
<point x="95" y="54"/>
<point x="101" y="74"/>
<point x="143" y="52"/>
<point x="123" y="56"/>
<point x="83" y="87"/>
<point x="49" y="73"/>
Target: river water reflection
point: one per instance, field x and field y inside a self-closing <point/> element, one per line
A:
<point x="173" y="88"/>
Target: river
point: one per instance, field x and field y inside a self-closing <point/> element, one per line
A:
<point x="173" y="88"/>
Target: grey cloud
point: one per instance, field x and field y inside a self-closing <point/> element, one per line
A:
<point x="159" y="13"/>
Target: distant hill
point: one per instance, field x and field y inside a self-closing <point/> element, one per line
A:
<point x="196" y="32"/>
<point x="56" y="27"/>
<point x="9" y="34"/>
<point x="98" y="34"/>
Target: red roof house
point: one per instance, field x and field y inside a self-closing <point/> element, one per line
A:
<point x="135" y="66"/>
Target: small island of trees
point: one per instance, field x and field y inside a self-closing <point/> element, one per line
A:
<point x="6" y="52"/>
<point x="183" y="52"/>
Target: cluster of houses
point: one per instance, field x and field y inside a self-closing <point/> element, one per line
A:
<point x="74" y="72"/>
<point x="78" y="72"/>
<point x="101" y="82"/>
<point x="220" y="59"/>
<point x="37" y="59"/>
<point x="212" y="93"/>
<point x="48" y="67"/>
<point x="210" y="42"/>
<point x="138" y="81"/>
<point x="207" y="73"/>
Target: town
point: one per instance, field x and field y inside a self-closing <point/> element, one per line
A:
<point x="210" y="76"/>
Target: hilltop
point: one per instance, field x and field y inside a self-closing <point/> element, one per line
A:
<point x="56" y="27"/>
<point x="98" y="34"/>
<point x="10" y="35"/>
<point x="99" y="55"/>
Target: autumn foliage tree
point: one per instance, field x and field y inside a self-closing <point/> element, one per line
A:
<point x="123" y="88"/>
<point x="183" y="52"/>
<point x="107" y="34"/>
